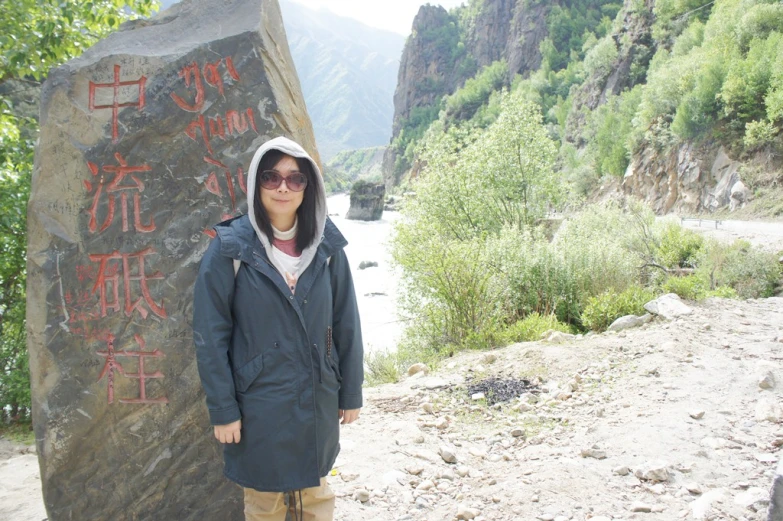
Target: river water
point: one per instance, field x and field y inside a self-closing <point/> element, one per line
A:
<point x="376" y="288"/>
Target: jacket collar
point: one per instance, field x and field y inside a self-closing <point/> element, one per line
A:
<point x="238" y="239"/>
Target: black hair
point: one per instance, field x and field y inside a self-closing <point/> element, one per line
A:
<point x="306" y="213"/>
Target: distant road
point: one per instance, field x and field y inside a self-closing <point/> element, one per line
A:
<point x="766" y="235"/>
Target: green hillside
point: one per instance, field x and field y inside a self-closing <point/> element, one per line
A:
<point x="501" y="161"/>
<point x="709" y="72"/>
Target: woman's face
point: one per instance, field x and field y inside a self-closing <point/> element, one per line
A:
<point x="282" y="203"/>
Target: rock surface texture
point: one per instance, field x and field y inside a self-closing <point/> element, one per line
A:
<point x="686" y="179"/>
<point x="144" y="145"/>
<point x="367" y="201"/>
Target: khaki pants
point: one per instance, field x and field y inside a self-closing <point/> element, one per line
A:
<point x="317" y="504"/>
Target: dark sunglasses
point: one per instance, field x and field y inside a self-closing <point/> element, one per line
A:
<point x="271" y="180"/>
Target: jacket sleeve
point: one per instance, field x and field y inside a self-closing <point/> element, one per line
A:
<point x="347" y="332"/>
<point x="212" y="329"/>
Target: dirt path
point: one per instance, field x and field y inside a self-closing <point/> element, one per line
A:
<point x="634" y="408"/>
<point x="628" y="396"/>
<point x="20" y="483"/>
<point x="629" y="402"/>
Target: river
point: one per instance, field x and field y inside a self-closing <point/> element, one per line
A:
<point x="376" y="287"/>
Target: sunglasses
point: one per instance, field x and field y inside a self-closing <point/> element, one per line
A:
<point x="271" y="180"/>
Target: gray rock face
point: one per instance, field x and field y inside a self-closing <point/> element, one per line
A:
<point x="144" y="145"/>
<point x="685" y="179"/>
<point x="367" y="200"/>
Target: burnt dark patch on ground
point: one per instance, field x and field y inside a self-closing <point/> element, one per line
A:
<point x="498" y="389"/>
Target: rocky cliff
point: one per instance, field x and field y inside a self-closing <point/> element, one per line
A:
<point x="635" y="48"/>
<point x="687" y="179"/>
<point x="445" y="49"/>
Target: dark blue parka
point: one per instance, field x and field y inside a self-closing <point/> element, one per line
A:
<point x="282" y="362"/>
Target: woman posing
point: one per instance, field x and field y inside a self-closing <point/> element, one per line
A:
<point x="278" y="339"/>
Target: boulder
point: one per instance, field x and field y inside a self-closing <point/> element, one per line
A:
<point x="740" y="194"/>
<point x="367" y="201"/>
<point x="668" y="306"/>
<point x="145" y="143"/>
<point x="629" y="321"/>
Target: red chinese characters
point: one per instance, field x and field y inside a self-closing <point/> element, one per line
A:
<point x="113" y="365"/>
<point x="118" y="185"/>
<point x="117" y="86"/>
<point x="107" y="283"/>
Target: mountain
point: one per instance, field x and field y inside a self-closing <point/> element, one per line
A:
<point x="448" y="47"/>
<point x="348" y="72"/>
<point x="677" y="103"/>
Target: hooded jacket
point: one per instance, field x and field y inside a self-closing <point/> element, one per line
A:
<point x="282" y="362"/>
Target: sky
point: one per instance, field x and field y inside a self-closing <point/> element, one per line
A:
<point x="391" y="15"/>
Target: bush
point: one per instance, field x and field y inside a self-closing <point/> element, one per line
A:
<point x="447" y="291"/>
<point x="759" y="134"/>
<point x="601" y="311"/>
<point x="748" y="271"/>
<point x="607" y="130"/>
<point x="382" y="367"/>
<point x="595" y="247"/>
<point x="721" y="292"/>
<point x="679" y="248"/>
<point x="690" y="287"/>
<point x="531" y="328"/>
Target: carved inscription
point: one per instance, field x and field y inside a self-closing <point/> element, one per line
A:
<point x="112" y="365"/>
<point x="117" y="86"/>
<point x="112" y="189"/>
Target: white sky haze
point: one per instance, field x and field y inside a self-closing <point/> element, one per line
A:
<point x="391" y="15"/>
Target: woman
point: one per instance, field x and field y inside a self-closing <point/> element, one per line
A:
<point x="278" y="339"/>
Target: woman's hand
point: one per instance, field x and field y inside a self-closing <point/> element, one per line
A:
<point x="349" y="416"/>
<point x="229" y="433"/>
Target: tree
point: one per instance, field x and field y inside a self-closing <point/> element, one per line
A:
<point x="475" y="185"/>
<point x="35" y="35"/>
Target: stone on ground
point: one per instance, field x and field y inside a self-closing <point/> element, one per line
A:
<point x="668" y="306"/>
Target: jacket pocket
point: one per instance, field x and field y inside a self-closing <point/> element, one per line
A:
<point x="245" y="375"/>
<point x="330" y="361"/>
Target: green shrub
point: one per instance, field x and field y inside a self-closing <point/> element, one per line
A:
<point x="759" y="134"/>
<point x="466" y="101"/>
<point x="607" y="130"/>
<point x="595" y="247"/>
<point x="382" y="367"/>
<point x="601" y="311"/>
<point x="721" y="292"/>
<point x="690" y="287"/>
<point x="447" y="291"/>
<point x="531" y="328"/>
<point x="678" y="247"/>
<point x="750" y="272"/>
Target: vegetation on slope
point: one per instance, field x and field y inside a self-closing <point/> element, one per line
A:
<point x="474" y="256"/>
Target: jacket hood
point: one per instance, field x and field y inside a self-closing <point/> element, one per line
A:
<point x="293" y="149"/>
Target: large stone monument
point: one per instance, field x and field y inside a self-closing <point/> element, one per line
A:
<point x="145" y="143"/>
